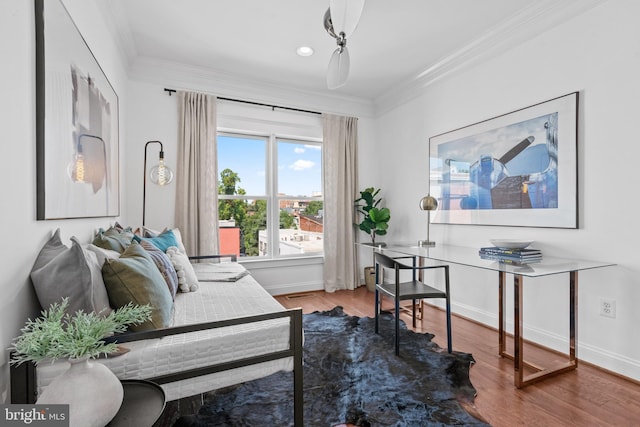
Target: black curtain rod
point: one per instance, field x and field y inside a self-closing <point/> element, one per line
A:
<point x="171" y="91"/>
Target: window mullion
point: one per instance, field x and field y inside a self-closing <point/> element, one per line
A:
<point x="273" y="205"/>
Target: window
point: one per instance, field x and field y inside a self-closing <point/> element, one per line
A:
<point x="269" y="196"/>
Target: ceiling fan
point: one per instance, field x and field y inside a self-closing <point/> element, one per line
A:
<point x="340" y="20"/>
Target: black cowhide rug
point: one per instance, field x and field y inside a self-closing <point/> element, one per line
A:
<point x="351" y="375"/>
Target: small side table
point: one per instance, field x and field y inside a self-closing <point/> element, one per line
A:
<point x="142" y="404"/>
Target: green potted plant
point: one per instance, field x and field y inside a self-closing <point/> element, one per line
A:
<point x="91" y="390"/>
<point x="375" y="222"/>
<point x="58" y="335"/>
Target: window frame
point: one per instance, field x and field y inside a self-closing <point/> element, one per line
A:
<point x="271" y="195"/>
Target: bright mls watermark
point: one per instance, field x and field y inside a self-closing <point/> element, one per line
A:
<point x="34" y="415"/>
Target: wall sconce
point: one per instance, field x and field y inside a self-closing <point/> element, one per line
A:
<point x="159" y="174"/>
<point x="428" y="203"/>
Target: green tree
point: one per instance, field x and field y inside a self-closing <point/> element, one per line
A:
<point x="255" y="221"/>
<point x="228" y="182"/>
<point x="231" y="209"/>
<point x="287" y="220"/>
<point x="313" y="207"/>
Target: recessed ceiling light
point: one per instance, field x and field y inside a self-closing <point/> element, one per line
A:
<point x="304" y="51"/>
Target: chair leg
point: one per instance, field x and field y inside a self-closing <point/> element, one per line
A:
<point x="448" y="302"/>
<point x="377" y="312"/>
<point x="397" y="326"/>
<point x="413" y="311"/>
<point x="449" y="344"/>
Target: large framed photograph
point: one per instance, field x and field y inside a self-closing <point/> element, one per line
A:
<point x="76" y="123"/>
<point x="518" y="169"/>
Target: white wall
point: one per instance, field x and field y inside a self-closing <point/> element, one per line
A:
<point x="596" y="54"/>
<point x="23" y="235"/>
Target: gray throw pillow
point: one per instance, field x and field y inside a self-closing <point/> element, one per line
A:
<point x="73" y="272"/>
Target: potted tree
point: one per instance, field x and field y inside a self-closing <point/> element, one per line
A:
<point x="375" y="222"/>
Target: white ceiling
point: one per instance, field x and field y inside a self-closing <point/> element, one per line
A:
<point x="395" y="42"/>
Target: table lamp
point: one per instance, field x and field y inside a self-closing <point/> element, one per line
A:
<point x="428" y="203"/>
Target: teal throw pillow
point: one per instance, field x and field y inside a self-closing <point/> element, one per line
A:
<point x="162" y="241"/>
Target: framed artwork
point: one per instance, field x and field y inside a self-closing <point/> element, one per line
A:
<point x="518" y="169"/>
<point x="76" y="123"/>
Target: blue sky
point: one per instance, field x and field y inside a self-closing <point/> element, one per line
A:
<point x="299" y="165"/>
<point x="494" y="142"/>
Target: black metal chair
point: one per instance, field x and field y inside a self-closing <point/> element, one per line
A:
<point x="414" y="290"/>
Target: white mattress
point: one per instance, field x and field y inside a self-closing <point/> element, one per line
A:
<point x="212" y="301"/>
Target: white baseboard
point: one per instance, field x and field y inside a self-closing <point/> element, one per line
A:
<point x="594" y="355"/>
<point x="610" y="361"/>
<point x="485" y="317"/>
<point x="291" y="288"/>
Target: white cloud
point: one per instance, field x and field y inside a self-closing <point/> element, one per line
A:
<point x="298" y="150"/>
<point x="299" y="165"/>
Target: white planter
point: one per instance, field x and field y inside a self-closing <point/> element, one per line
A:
<point x="93" y="392"/>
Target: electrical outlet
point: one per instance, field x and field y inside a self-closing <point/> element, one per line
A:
<point x="608" y="307"/>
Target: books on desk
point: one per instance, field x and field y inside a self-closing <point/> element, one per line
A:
<point x="512" y="256"/>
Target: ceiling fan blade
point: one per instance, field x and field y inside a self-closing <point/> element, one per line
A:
<point x="338" y="68"/>
<point x="345" y="15"/>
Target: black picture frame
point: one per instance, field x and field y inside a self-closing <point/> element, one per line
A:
<point x="77" y="129"/>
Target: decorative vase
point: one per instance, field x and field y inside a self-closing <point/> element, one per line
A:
<point x="93" y="392"/>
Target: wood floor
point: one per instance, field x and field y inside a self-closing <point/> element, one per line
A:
<point x="587" y="396"/>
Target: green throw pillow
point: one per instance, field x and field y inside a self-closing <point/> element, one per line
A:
<point x="113" y="239"/>
<point x="135" y="278"/>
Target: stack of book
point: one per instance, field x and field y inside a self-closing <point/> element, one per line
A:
<point x="513" y="256"/>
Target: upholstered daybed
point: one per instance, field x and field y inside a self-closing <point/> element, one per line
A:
<point x="228" y="331"/>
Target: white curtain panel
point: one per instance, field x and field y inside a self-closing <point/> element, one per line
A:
<point x="196" y="174"/>
<point x="340" y="140"/>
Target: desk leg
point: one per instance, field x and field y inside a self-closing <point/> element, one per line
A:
<point x="518" y="343"/>
<point x="573" y="316"/>
<point x="501" y="317"/>
<point x="519" y="364"/>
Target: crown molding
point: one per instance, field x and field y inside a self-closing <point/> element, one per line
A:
<point x="187" y="77"/>
<point x="541" y="16"/>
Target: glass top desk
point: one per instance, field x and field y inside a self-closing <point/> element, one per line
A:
<point x="547" y="266"/>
